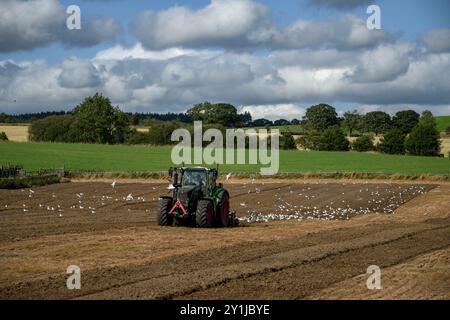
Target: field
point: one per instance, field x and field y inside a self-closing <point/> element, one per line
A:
<point x="442" y="123"/>
<point x="143" y="158"/>
<point x="15" y="132"/>
<point x="297" y="240"/>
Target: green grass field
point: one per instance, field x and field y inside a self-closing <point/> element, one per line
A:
<point x="442" y="123"/>
<point x="143" y="158"/>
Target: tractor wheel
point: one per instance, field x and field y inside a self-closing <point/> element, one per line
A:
<point x="223" y="209"/>
<point x="163" y="217"/>
<point x="204" y="216"/>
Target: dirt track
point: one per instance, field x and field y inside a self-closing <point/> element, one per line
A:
<point x="336" y="230"/>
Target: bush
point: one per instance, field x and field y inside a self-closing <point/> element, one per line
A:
<point x="53" y="129"/>
<point x="287" y="142"/>
<point x="3" y="136"/>
<point x="138" y="137"/>
<point x="393" y="142"/>
<point x="363" y="143"/>
<point x="424" y="140"/>
<point x="447" y="131"/>
<point x="331" y="139"/>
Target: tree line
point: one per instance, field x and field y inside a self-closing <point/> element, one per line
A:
<point x="405" y="133"/>
<point x="95" y="120"/>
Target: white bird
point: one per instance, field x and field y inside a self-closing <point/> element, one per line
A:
<point x="130" y="197"/>
<point x="228" y="176"/>
<point x="170" y="187"/>
<point x="113" y="184"/>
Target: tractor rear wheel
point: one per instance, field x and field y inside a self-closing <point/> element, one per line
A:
<point x="224" y="209"/>
<point x="204" y="216"/>
<point x="163" y="217"/>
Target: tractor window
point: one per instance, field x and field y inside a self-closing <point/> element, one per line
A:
<point x="194" y="178"/>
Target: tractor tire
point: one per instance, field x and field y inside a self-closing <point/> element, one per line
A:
<point x="223" y="210"/>
<point x="204" y="216"/>
<point x="163" y="217"/>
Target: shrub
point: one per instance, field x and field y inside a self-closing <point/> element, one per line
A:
<point x="287" y="142"/>
<point x="393" y="142"/>
<point x="52" y="128"/>
<point x="363" y="143"/>
<point x="3" y="136"/>
<point x="333" y="139"/>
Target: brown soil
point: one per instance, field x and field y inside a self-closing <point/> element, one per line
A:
<point x="338" y="230"/>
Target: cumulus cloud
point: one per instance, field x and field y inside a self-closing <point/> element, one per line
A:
<point x="77" y="73"/>
<point x="247" y="25"/>
<point x="222" y="22"/>
<point x="26" y="25"/>
<point x="346" y="33"/>
<point x="384" y="63"/>
<point x="437" y="40"/>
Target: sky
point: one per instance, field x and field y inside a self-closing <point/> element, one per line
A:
<point x="271" y="58"/>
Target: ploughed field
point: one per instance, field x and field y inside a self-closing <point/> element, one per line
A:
<point x="297" y="239"/>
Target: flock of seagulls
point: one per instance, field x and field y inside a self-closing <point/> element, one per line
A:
<point x="384" y="201"/>
<point x="302" y="203"/>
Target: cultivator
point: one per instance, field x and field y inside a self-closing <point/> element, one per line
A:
<point x="196" y="201"/>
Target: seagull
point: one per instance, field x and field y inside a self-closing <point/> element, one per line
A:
<point x="130" y="197"/>
<point x="113" y="185"/>
<point x="228" y="176"/>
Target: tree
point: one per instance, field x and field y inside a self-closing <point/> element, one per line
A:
<point x="352" y="121"/>
<point x="393" y="142"/>
<point x="3" y="136"/>
<point x="405" y="120"/>
<point x="245" y="118"/>
<point x="261" y="123"/>
<point x="220" y="113"/>
<point x="295" y="121"/>
<point x="321" y="116"/>
<point x="97" y="121"/>
<point x="377" y="122"/>
<point x="4" y="118"/>
<point x="424" y="139"/>
<point x="281" y="122"/>
<point x="333" y="139"/>
<point x="363" y="143"/>
<point x="52" y="128"/>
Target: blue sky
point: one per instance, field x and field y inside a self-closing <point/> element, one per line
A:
<point x="312" y="55"/>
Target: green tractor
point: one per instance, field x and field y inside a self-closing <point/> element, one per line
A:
<point x="196" y="201"/>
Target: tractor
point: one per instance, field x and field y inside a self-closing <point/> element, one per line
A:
<point x="196" y="201"/>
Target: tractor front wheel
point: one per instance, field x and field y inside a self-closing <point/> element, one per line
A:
<point x="204" y="216"/>
<point x="163" y="217"/>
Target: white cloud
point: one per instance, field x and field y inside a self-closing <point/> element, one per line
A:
<point x="77" y="73"/>
<point x="222" y="21"/>
<point x="248" y="25"/>
<point x="437" y="40"/>
<point x="25" y="25"/>
<point x="287" y="111"/>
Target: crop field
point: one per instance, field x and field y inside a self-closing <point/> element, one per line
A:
<point x="121" y="158"/>
<point x="302" y="239"/>
<point x="15" y="132"/>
